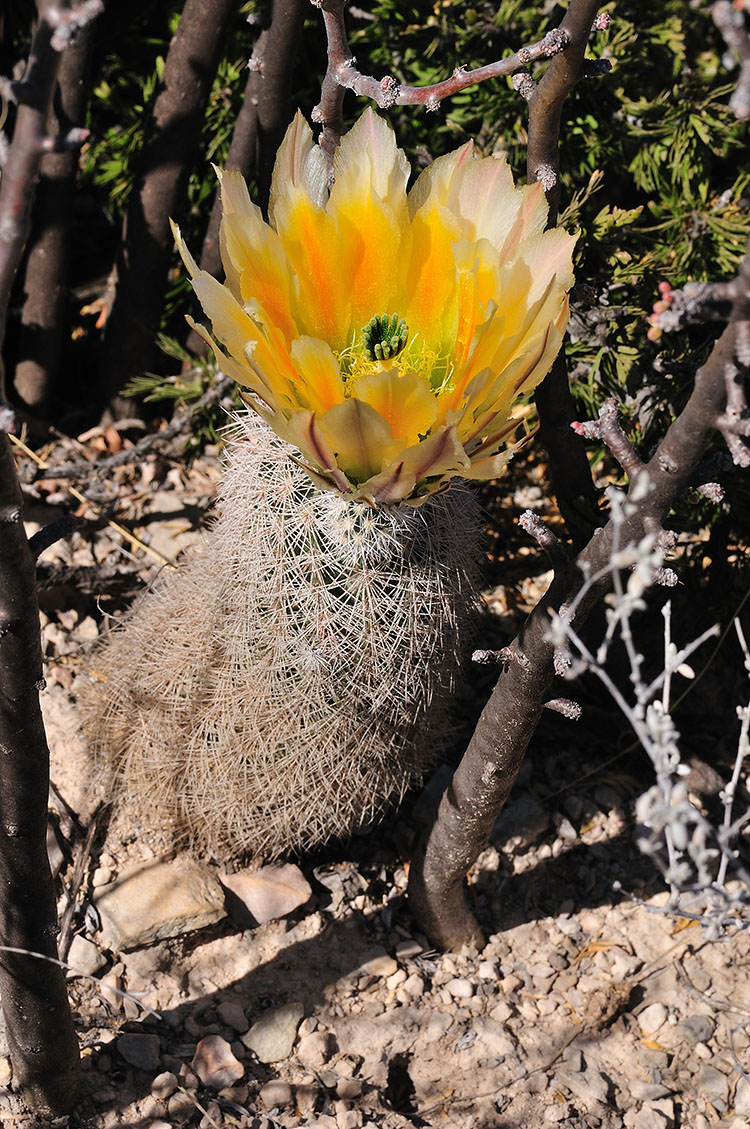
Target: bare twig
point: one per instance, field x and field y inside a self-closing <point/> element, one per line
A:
<point x="608" y="429"/>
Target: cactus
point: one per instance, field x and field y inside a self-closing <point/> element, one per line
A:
<point x="293" y="678"/>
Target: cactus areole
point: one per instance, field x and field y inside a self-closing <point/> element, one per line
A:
<point x="387" y="335"/>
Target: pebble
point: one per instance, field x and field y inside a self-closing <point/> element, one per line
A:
<point x="379" y="963"/>
<point x="556" y="1113"/>
<point x="141" y="1051"/>
<point x="232" y="1014"/>
<point x="316" y="1049"/>
<point x="413" y="985"/>
<point x="460" y="988"/>
<point x="711" y="1083"/>
<point x="494" y="1039"/>
<point x="696" y="1028"/>
<point x="647" y="1091"/>
<point x="398" y="977"/>
<point x="652" y="1018"/>
<point x="164" y="1085"/>
<point x="648" y="1118"/>
<point x="349" y="1088"/>
<point x="180" y="1107"/>
<point x="742" y="1096"/>
<point x="589" y="1085"/>
<point x="501" y="1012"/>
<point x="215" y="1064"/>
<point x="212" y="1117"/>
<point x="84" y="957"/>
<point x="305" y="1097"/>
<point x="272" y="1037"/>
<point x="510" y="983"/>
<point x="102" y="876"/>
<point x="408" y="948"/>
<point x="276" y="1093"/>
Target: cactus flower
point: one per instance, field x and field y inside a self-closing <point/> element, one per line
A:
<point x="387" y="335"/>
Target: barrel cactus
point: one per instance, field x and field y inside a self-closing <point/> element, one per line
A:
<point x="291" y="680"/>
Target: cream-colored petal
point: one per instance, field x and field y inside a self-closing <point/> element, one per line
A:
<point x="433" y="185"/>
<point x="235" y="197"/>
<point x="370" y="145"/>
<point x="187" y="258"/>
<point x="300" y="163"/>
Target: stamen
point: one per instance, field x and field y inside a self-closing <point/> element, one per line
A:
<point x="384" y="337"/>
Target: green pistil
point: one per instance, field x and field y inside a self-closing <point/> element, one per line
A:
<point x="384" y="337"/>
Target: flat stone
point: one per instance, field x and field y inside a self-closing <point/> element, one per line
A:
<point x="493" y="1037"/>
<point x="141" y="1051"/>
<point x="379" y="963"/>
<point x="696" y="1029"/>
<point x="215" y="1064"/>
<point x="413" y="985"/>
<point x="742" y="1096"/>
<point x="276" y="1094"/>
<point x="270" y="892"/>
<point x="590" y="1085"/>
<point x="648" y="1118"/>
<point x="316" y="1049"/>
<point x="153" y="901"/>
<point x="711" y="1083"/>
<point x="232" y="1014"/>
<point x="408" y="948"/>
<point x="84" y="957"/>
<point x="652" y="1018"/>
<point x="164" y="1085"/>
<point x="272" y="1037"/>
<point x="647" y="1091"/>
<point x="349" y="1088"/>
<point x="460" y="988"/>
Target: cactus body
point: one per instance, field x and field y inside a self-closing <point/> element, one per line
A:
<point x="291" y="680"/>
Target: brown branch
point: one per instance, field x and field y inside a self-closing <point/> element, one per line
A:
<point x="169" y="148"/>
<point x="483" y="779"/>
<point x="608" y="429"/>
<point x="43" y="1045"/>
<point x="568" y="465"/>
<point x="42" y="333"/>
<point x="342" y="73"/>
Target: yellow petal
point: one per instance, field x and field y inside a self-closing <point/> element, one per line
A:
<point x="429" y="279"/>
<point x="441" y="454"/>
<point x="257" y="267"/>
<point x="359" y="438"/>
<point x="319" y="373"/>
<point x="370" y="145"/>
<point x="433" y="185"/>
<point x="405" y="402"/>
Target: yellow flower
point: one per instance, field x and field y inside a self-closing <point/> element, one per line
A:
<point x="387" y="335"/>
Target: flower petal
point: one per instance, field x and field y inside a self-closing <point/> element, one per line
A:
<point x="359" y="438"/>
<point x="319" y="373"/>
<point x="405" y="402"/>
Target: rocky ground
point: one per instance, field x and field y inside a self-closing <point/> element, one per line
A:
<point x="305" y="996"/>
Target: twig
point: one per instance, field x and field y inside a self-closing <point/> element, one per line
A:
<point x="608" y="429"/>
<point x="731" y="23"/>
<point x="532" y="524"/>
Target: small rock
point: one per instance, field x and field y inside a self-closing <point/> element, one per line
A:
<point x="487" y="970"/>
<point x="501" y="1012"/>
<point x="158" y="1124"/>
<point x="711" y="1083"/>
<point x="187" y="1078"/>
<point x="460" y="988"/>
<point x="349" y="1088"/>
<point x="271" y="892"/>
<point x="276" y="1093"/>
<point x="141" y="1051"/>
<point x="408" y="948"/>
<point x="180" y="1107"/>
<point x="348" y="1118"/>
<point x="494" y="1039"/>
<point x="647" y="1091"/>
<point x="232" y="1014"/>
<point x="212" y="1117"/>
<point x="272" y="1037"/>
<point x="215" y="1064"/>
<point x="556" y="1113"/>
<point x="316" y="1049"/>
<point x="742" y="1096"/>
<point x="573" y="1060"/>
<point x="590" y="1085"/>
<point x="6" y="1072"/>
<point x="652" y="1018"/>
<point x="413" y="985"/>
<point x="398" y="977"/>
<point x="164" y="1085"/>
<point x="379" y="963"/>
<point x="84" y="957"/>
<point x="649" y="1118"/>
<point x="696" y="1029"/>
<point x="102" y="876"/>
<point x="153" y="901"/>
<point x="305" y="1097"/>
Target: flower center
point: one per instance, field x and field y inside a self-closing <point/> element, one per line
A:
<point x="384" y="337"/>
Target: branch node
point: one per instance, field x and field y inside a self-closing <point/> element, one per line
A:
<point x="255" y="63"/>
<point x="665" y="577"/>
<point x="546" y="176"/>
<point x="711" y="490"/>
<point x="432" y="104"/>
<point x="8" y="419"/>
<point x="524" y="84"/>
<point x="571" y="710"/>
<point x="601" y="21"/>
<point x="532" y="524"/>
<point x="10" y="515"/>
<point x="390" y="88"/>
